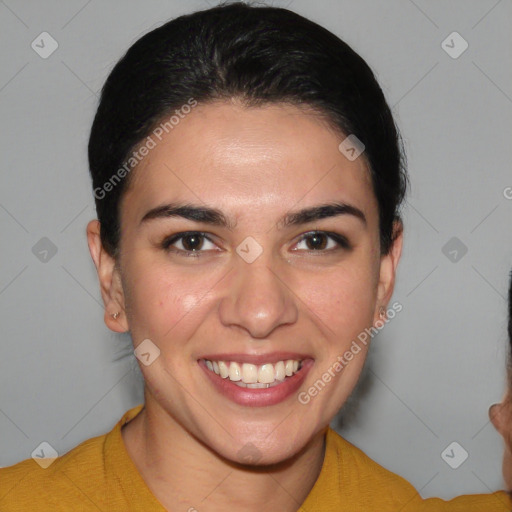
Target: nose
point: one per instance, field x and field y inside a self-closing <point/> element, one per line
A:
<point x="257" y="299"/>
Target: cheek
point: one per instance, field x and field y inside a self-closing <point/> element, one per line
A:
<point x="159" y="300"/>
<point x="344" y="302"/>
<point x="343" y="299"/>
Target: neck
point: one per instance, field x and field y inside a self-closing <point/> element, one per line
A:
<point x="184" y="474"/>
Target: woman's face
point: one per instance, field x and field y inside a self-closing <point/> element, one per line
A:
<point x="263" y="285"/>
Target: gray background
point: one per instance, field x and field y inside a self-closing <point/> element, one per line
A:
<point x="434" y="370"/>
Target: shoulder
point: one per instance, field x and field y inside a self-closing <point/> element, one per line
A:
<point x="495" y="502"/>
<point x="84" y="478"/>
<point x="350" y="480"/>
<point x="378" y="487"/>
<point x="360" y="470"/>
<point x="66" y="479"/>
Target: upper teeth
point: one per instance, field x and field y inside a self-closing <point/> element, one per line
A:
<point x="251" y="373"/>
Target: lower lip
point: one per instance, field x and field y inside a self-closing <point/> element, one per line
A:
<point x="262" y="396"/>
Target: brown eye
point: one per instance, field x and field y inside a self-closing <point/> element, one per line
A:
<point x="323" y="241"/>
<point x="188" y="243"/>
<point x="192" y="242"/>
<point x="317" y="241"/>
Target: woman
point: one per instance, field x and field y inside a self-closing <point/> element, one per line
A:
<point x="248" y="177"/>
<point x="501" y="414"/>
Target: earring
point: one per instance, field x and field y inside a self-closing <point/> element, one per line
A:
<point x="382" y="313"/>
<point x="115" y="315"/>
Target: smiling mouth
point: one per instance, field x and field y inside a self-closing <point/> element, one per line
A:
<point x="252" y="376"/>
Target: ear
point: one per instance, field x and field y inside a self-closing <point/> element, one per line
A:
<point x="388" y="266"/>
<point x="501" y="416"/>
<point x="109" y="278"/>
<point x="496" y="417"/>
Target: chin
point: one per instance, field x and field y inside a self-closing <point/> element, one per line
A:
<point x="251" y="450"/>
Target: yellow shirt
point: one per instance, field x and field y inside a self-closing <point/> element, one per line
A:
<point x="98" y="475"/>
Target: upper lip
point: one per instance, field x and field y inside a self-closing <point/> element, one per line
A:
<point x="257" y="359"/>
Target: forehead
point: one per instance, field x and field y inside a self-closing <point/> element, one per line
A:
<point x="248" y="158"/>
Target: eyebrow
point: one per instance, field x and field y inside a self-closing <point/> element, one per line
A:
<point x="215" y="217"/>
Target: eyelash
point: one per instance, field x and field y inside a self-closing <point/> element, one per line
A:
<point x="167" y="242"/>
